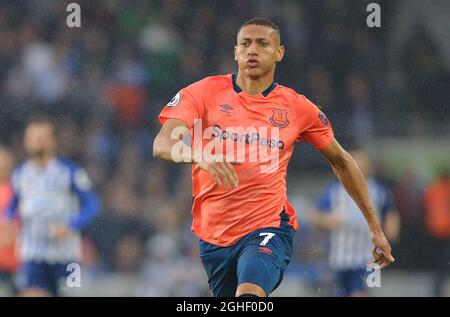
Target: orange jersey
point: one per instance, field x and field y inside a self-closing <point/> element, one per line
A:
<point x="272" y="121"/>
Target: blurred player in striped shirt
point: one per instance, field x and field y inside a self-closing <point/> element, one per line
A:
<point x="350" y="236"/>
<point x="53" y="200"/>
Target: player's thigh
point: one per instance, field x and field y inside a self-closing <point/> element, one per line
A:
<point x="220" y="267"/>
<point x="357" y="282"/>
<point x="342" y="283"/>
<point x="57" y="275"/>
<point x="33" y="279"/>
<point x="264" y="258"/>
<point x="350" y="282"/>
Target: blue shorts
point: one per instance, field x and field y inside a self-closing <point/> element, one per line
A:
<point x="260" y="258"/>
<point x="350" y="281"/>
<point x="42" y="275"/>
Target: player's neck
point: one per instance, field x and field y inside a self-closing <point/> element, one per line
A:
<point x="42" y="161"/>
<point x="254" y="86"/>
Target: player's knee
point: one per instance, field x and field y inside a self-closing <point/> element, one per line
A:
<point x="250" y="290"/>
<point x="34" y="292"/>
<point x="359" y="294"/>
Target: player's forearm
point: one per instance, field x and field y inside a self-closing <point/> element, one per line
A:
<point x="327" y="222"/>
<point x="391" y="226"/>
<point x="90" y="207"/>
<point x="174" y="151"/>
<point x="169" y="144"/>
<point x="353" y="181"/>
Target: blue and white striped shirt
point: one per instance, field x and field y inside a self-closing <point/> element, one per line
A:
<point x="351" y="245"/>
<point x="57" y="194"/>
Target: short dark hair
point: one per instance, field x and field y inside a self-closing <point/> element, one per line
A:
<point x="42" y="118"/>
<point x="261" y="21"/>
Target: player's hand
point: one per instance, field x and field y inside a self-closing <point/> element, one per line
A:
<point x="221" y="171"/>
<point x="382" y="250"/>
<point x="59" y="232"/>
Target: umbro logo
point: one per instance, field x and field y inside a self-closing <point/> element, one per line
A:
<point x="226" y="108"/>
<point x="265" y="250"/>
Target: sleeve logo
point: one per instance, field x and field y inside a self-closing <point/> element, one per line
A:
<point x="323" y="118"/>
<point x="175" y="100"/>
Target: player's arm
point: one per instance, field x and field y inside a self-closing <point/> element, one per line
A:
<point x="391" y="225"/>
<point x="9" y="228"/>
<point x="89" y="209"/>
<point x="170" y="144"/>
<point x="88" y="200"/>
<point x="89" y="206"/>
<point x="353" y="181"/>
<point x="323" y="216"/>
<point x="390" y="217"/>
<point x="326" y="221"/>
<point x="173" y="132"/>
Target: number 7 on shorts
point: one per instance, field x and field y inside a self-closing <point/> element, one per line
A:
<point x="267" y="236"/>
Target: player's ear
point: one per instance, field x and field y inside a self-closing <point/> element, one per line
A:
<point x="280" y="53"/>
<point x="235" y="56"/>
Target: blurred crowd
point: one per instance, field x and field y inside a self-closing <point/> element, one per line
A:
<point x="105" y="83"/>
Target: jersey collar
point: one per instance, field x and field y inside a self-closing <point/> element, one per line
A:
<point x="238" y="89"/>
<point x="52" y="162"/>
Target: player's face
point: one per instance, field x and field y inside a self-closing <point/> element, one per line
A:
<point x="257" y="50"/>
<point x="40" y="140"/>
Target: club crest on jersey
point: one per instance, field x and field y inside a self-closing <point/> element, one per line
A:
<point x="175" y="100"/>
<point x="279" y="118"/>
<point x="323" y="118"/>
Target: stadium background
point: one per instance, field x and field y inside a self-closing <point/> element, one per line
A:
<point x="387" y="88"/>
